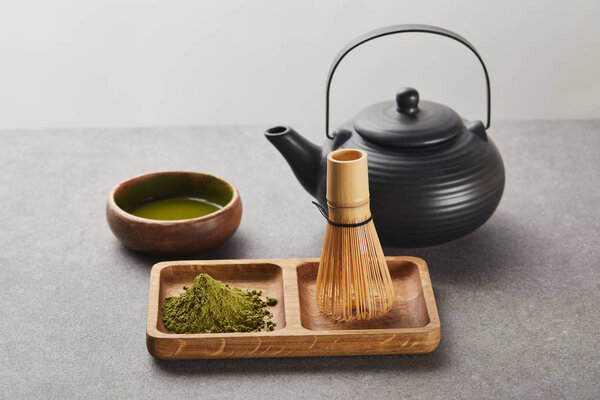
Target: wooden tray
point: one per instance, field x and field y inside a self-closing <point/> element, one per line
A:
<point x="413" y="325"/>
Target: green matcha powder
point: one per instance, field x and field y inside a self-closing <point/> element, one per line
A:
<point x="209" y="306"/>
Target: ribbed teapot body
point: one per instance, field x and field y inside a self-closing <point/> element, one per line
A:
<point x="429" y="195"/>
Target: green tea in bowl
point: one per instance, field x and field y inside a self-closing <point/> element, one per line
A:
<point x="174" y="208"/>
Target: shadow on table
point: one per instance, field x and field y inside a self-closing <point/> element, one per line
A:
<point x="274" y="366"/>
<point x="484" y="257"/>
<point x="231" y="249"/>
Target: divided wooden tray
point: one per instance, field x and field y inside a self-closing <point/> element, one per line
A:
<point x="413" y="325"/>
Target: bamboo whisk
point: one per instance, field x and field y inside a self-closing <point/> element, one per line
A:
<point x="353" y="281"/>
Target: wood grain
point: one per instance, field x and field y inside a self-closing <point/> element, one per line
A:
<point x="413" y="325"/>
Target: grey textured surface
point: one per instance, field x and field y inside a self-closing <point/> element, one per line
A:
<point x="519" y="299"/>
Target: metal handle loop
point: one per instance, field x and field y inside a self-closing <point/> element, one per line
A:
<point x="389" y="30"/>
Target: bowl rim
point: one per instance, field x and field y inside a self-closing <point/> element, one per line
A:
<point x="125" y="215"/>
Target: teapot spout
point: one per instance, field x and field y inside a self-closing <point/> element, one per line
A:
<point x="302" y="155"/>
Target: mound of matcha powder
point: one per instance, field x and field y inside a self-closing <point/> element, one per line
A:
<point x="209" y="306"/>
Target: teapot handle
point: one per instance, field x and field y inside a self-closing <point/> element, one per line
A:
<point x="389" y="30"/>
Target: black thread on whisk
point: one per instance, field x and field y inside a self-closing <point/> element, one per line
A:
<point x="325" y="214"/>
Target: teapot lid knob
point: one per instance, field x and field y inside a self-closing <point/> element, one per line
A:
<point x="408" y="121"/>
<point x="407" y="101"/>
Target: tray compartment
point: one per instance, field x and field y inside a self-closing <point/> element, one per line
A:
<point x="263" y="276"/>
<point x="409" y="309"/>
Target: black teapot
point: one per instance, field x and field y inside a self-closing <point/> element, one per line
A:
<point x="433" y="176"/>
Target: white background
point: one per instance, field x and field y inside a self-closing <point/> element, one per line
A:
<point x="144" y="63"/>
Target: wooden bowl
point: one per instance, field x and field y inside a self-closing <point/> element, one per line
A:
<point x="177" y="237"/>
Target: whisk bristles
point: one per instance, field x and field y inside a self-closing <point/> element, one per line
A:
<point x="353" y="281"/>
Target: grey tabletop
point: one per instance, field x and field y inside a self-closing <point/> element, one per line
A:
<point x="519" y="299"/>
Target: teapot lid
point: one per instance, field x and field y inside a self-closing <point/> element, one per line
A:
<point x="408" y="122"/>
